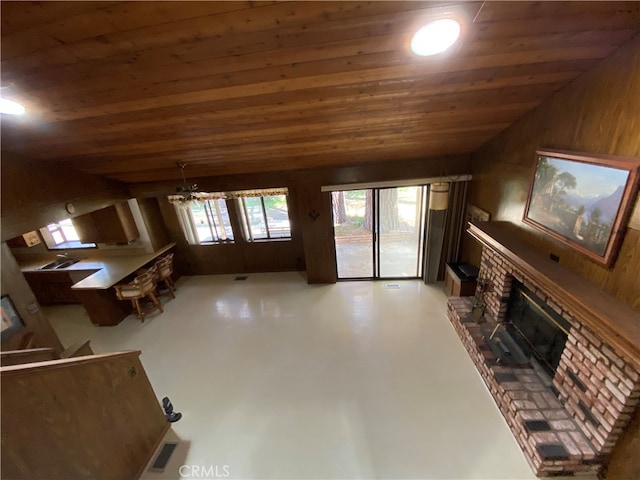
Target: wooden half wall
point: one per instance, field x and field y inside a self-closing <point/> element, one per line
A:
<point x="597" y="113"/>
<point x="82" y="418"/>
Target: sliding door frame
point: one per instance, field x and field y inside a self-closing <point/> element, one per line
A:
<point x="375" y="234"/>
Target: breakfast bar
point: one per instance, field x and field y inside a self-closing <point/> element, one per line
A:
<point x="100" y="274"/>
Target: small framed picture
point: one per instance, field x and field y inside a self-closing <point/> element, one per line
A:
<point x="476" y="214"/>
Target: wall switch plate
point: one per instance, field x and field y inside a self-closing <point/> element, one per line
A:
<point x="33" y="308"/>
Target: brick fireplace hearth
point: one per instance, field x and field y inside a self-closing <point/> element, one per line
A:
<point x="567" y="424"/>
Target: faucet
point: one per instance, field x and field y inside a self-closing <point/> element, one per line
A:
<point x="63" y="255"/>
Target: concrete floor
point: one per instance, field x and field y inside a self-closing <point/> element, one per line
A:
<point x="280" y="379"/>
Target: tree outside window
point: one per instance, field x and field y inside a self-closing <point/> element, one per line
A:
<point x="266" y="217"/>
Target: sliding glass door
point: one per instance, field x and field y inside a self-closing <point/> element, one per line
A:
<point x="353" y="232"/>
<point x="379" y="232"/>
<point x="401" y="231"/>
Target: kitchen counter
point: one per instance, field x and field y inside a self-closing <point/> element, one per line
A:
<point x="108" y="271"/>
<point x="97" y="275"/>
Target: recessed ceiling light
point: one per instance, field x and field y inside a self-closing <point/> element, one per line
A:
<point x="435" y="37"/>
<point x="9" y="107"/>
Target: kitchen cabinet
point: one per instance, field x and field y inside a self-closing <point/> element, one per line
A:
<point x="51" y="288"/>
<point x="114" y="224"/>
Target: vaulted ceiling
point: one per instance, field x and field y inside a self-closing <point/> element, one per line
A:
<point x="127" y="89"/>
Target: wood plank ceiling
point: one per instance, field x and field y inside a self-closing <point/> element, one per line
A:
<point x="127" y="89"/>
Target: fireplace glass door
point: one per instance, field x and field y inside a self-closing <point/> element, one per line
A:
<point x="539" y="331"/>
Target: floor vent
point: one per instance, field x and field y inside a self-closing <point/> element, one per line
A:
<point x="391" y="285"/>
<point x="161" y="461"/>
<point x="241" y="278"/>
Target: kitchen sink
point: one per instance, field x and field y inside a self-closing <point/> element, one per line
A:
<point x="59" y="264"/>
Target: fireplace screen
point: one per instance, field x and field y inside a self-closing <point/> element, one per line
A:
<point x="539" y="331"/>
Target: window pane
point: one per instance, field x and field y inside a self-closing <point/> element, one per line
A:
<point x="63" y="235"/>
<point x="255" y="217"/>
<point x="201" y="222"/>
<point x="68" y="230"/>
<point x="353" y="233"/>
<point x="57" y="238"/>
<point x="277" y="216"/>
<point x="211" y="220"/>
<point x="219" y="208"/>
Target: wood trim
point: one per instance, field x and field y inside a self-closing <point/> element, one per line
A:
<point x="26" y="369"/>
<point x="396" y="183"/>
<point x="18" y="357"/>
<point x="612" y="321"/>
<point x="634" y="221"/>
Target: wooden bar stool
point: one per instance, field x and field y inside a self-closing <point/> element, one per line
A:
<point x="164" y="268"/>
<point x="143" y="286"/>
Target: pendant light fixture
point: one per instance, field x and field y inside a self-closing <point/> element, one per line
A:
<point x="187" y="193"/>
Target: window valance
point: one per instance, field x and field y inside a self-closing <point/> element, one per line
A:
<point x="195" y="197"/>
<point x="262" y="192"/>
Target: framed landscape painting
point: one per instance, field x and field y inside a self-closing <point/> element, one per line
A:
<point x="583" y="200"/>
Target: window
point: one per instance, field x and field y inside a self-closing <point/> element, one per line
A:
<point x="204" y="218"/>
<point x="211" y="220"/>
<point x="63" y="235"/>
<point x="206" y="221"/>
<point x="265" y="217"/>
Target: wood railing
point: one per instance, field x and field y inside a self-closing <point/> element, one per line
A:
<point x="87" y="417"/>
<point x="31" y="355"/>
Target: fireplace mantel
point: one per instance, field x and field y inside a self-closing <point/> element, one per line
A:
<point x="611" y="320"/>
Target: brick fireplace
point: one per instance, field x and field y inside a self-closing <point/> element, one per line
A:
<point x="568" y="422"/>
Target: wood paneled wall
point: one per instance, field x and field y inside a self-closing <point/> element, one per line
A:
<point x="15" y="285"/>
<point x="316" y="217"/>
<point x="35" y="194"/>
<point x="624" y="462"/>
<point x="311" y="247"/>
<point x="152" y="217"/>
<point x="598" y="113"/>
<point x="87" y="417"/>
